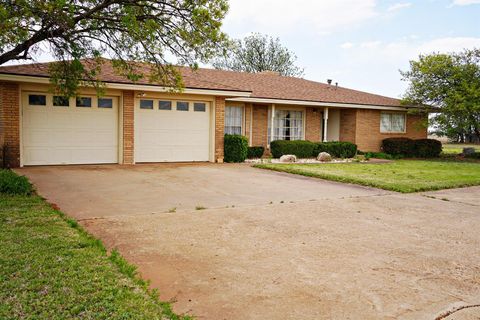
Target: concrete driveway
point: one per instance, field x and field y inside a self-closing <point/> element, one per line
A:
<point x="278" y="246"/>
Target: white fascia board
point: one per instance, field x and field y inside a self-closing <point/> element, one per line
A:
<point x="316" y="104"/>
<point x="137" y="87"/>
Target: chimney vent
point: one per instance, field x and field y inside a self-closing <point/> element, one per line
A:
<point x="329" y="81"/>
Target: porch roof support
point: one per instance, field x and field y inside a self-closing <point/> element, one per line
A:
<point x="272" y="118"/>
<point x="325" y="124"/>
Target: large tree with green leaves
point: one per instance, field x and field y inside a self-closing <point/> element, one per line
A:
<point x="126" y="31"/>
<point x="448" y="85"/>
<point x="259" y="53"/>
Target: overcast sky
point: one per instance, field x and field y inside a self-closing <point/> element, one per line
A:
<point x="360" y="44"/>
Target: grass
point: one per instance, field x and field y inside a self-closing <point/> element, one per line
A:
<point x="52" y="269"/>
<point x="401" y="175"/>
<point x="457" y="148"/>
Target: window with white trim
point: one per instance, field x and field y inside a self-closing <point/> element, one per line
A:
<point x="392" y="122"/>
<point x="287" y="125"/>
<point x="233" y="120"/>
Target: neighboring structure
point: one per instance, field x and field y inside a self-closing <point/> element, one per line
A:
<point x="142" y="122"/>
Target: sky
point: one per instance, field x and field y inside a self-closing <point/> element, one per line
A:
<point x="361" y="44"/>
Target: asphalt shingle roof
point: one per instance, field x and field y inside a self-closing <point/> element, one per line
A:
<point x="262" y="85"/>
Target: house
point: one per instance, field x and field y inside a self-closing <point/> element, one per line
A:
<point x="142" y="122"/>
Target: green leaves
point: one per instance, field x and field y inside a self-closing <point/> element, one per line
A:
<point x="451" y="84"/>
<point x="161" y="32"/>
<point x="257" y="53"/>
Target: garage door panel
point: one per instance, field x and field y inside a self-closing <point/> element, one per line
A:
<point x="171" y="135"/>
<point x="69" y="135"/>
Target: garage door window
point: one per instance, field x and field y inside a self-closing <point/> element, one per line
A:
<point x="105" y="103"/>
<point x="199" y="107"/>
<point x="37" y="100"/>
<point x="182" y="106"/>
<point x="146" y="104"/>
<point x="84" y="102"/>
<point x="165" y="105"/>
<point x="61" y="101"/>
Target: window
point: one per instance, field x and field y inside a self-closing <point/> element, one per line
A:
<point x="199" y="107"/>
<point x="146" y="104"/>
<point x="233" y="120"/>
<point x="392" y="122"/>
<point x="61" y="101"/>
<point x="182" y="106"/>
<point x="105" y="103"/>
<point x="37" y="100"/>
<point x="287" y="125"/>
<point x="84" y="102"/>
<point x="165" y="105"/>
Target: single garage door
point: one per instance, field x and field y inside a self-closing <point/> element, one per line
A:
<point x="171" y="131"/>
<point x="58" y="130"/>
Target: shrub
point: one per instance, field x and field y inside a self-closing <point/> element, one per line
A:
<point x="300" y="148"/>
<point x="399" y="146"/>
<point x="235" y="148"/>
<point x="428" y="148"/>
<point x="475" y="155"/>
<point x="381" y="155"/>
<point x="337" y="149"/>
<point x="13" y="184"/>
<point x="255" y="152"/>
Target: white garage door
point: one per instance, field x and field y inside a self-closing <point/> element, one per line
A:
<point x="58" y="130"/>
<point x="171" y="131"/>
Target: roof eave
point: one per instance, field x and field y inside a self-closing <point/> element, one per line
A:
<point x="318" y="103"/>
<point x="132" y="86"/>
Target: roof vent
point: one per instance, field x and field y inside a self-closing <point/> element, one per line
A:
<point x="329" y="81"/>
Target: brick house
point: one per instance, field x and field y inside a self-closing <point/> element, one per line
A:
<point x="142" y="122"/>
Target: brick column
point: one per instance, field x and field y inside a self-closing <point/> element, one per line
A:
<point x="128" y="127"/>
<point x="313" y="119"/>
<point x="248" y="120"/>
<point x="219" y="127"/>
<point x="10" y="122"/>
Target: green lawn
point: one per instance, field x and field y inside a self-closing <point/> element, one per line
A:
<point x="457" y="148"/>
<point x="401" y="175"/>
<point x="51" y="269"/>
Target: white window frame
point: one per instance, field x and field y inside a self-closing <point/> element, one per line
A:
<point x="242" y="120"/>
<point x="282" y="108"/>
<point x="390" y="114"/>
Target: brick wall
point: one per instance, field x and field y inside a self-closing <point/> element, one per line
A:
<point x="313" y="118"/>
<point x="128" y="127"/>
<point x="260" y="126"/>
<point x="219" y="127"/>
<point x="248" y="121"/>
<point x="10" y="121"/>
<point x="348" y="121"/>
<point x="362" y="126"/>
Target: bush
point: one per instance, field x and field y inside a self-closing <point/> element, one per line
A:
<point x="475" y="155"/>
<point x="428" y="148"/>
<point x="235" y="148"/>
<point x="381" y="155"/>
<point x="255" y="152"/>
<point x="337" y="149"/>
<point x="13" y="184"/>
<point x="300" y="148"/>
<point x="399" y="146"/>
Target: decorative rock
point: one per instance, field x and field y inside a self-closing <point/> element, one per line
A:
<point x="324" y="157"/>
<point x="468" y="151"/>
<point x="288" y="158"/>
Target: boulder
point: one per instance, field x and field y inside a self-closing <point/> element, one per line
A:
<point x="288" y="158"/>
<point x="468" y="151"/>
<point x="324" y="157"/>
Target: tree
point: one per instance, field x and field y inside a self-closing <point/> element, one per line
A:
<point x="258" y="53"/>
<point x="448" y="85"/>
<point x="126" y="31"/>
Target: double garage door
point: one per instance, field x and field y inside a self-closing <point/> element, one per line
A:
<point x="85" y="130"/>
